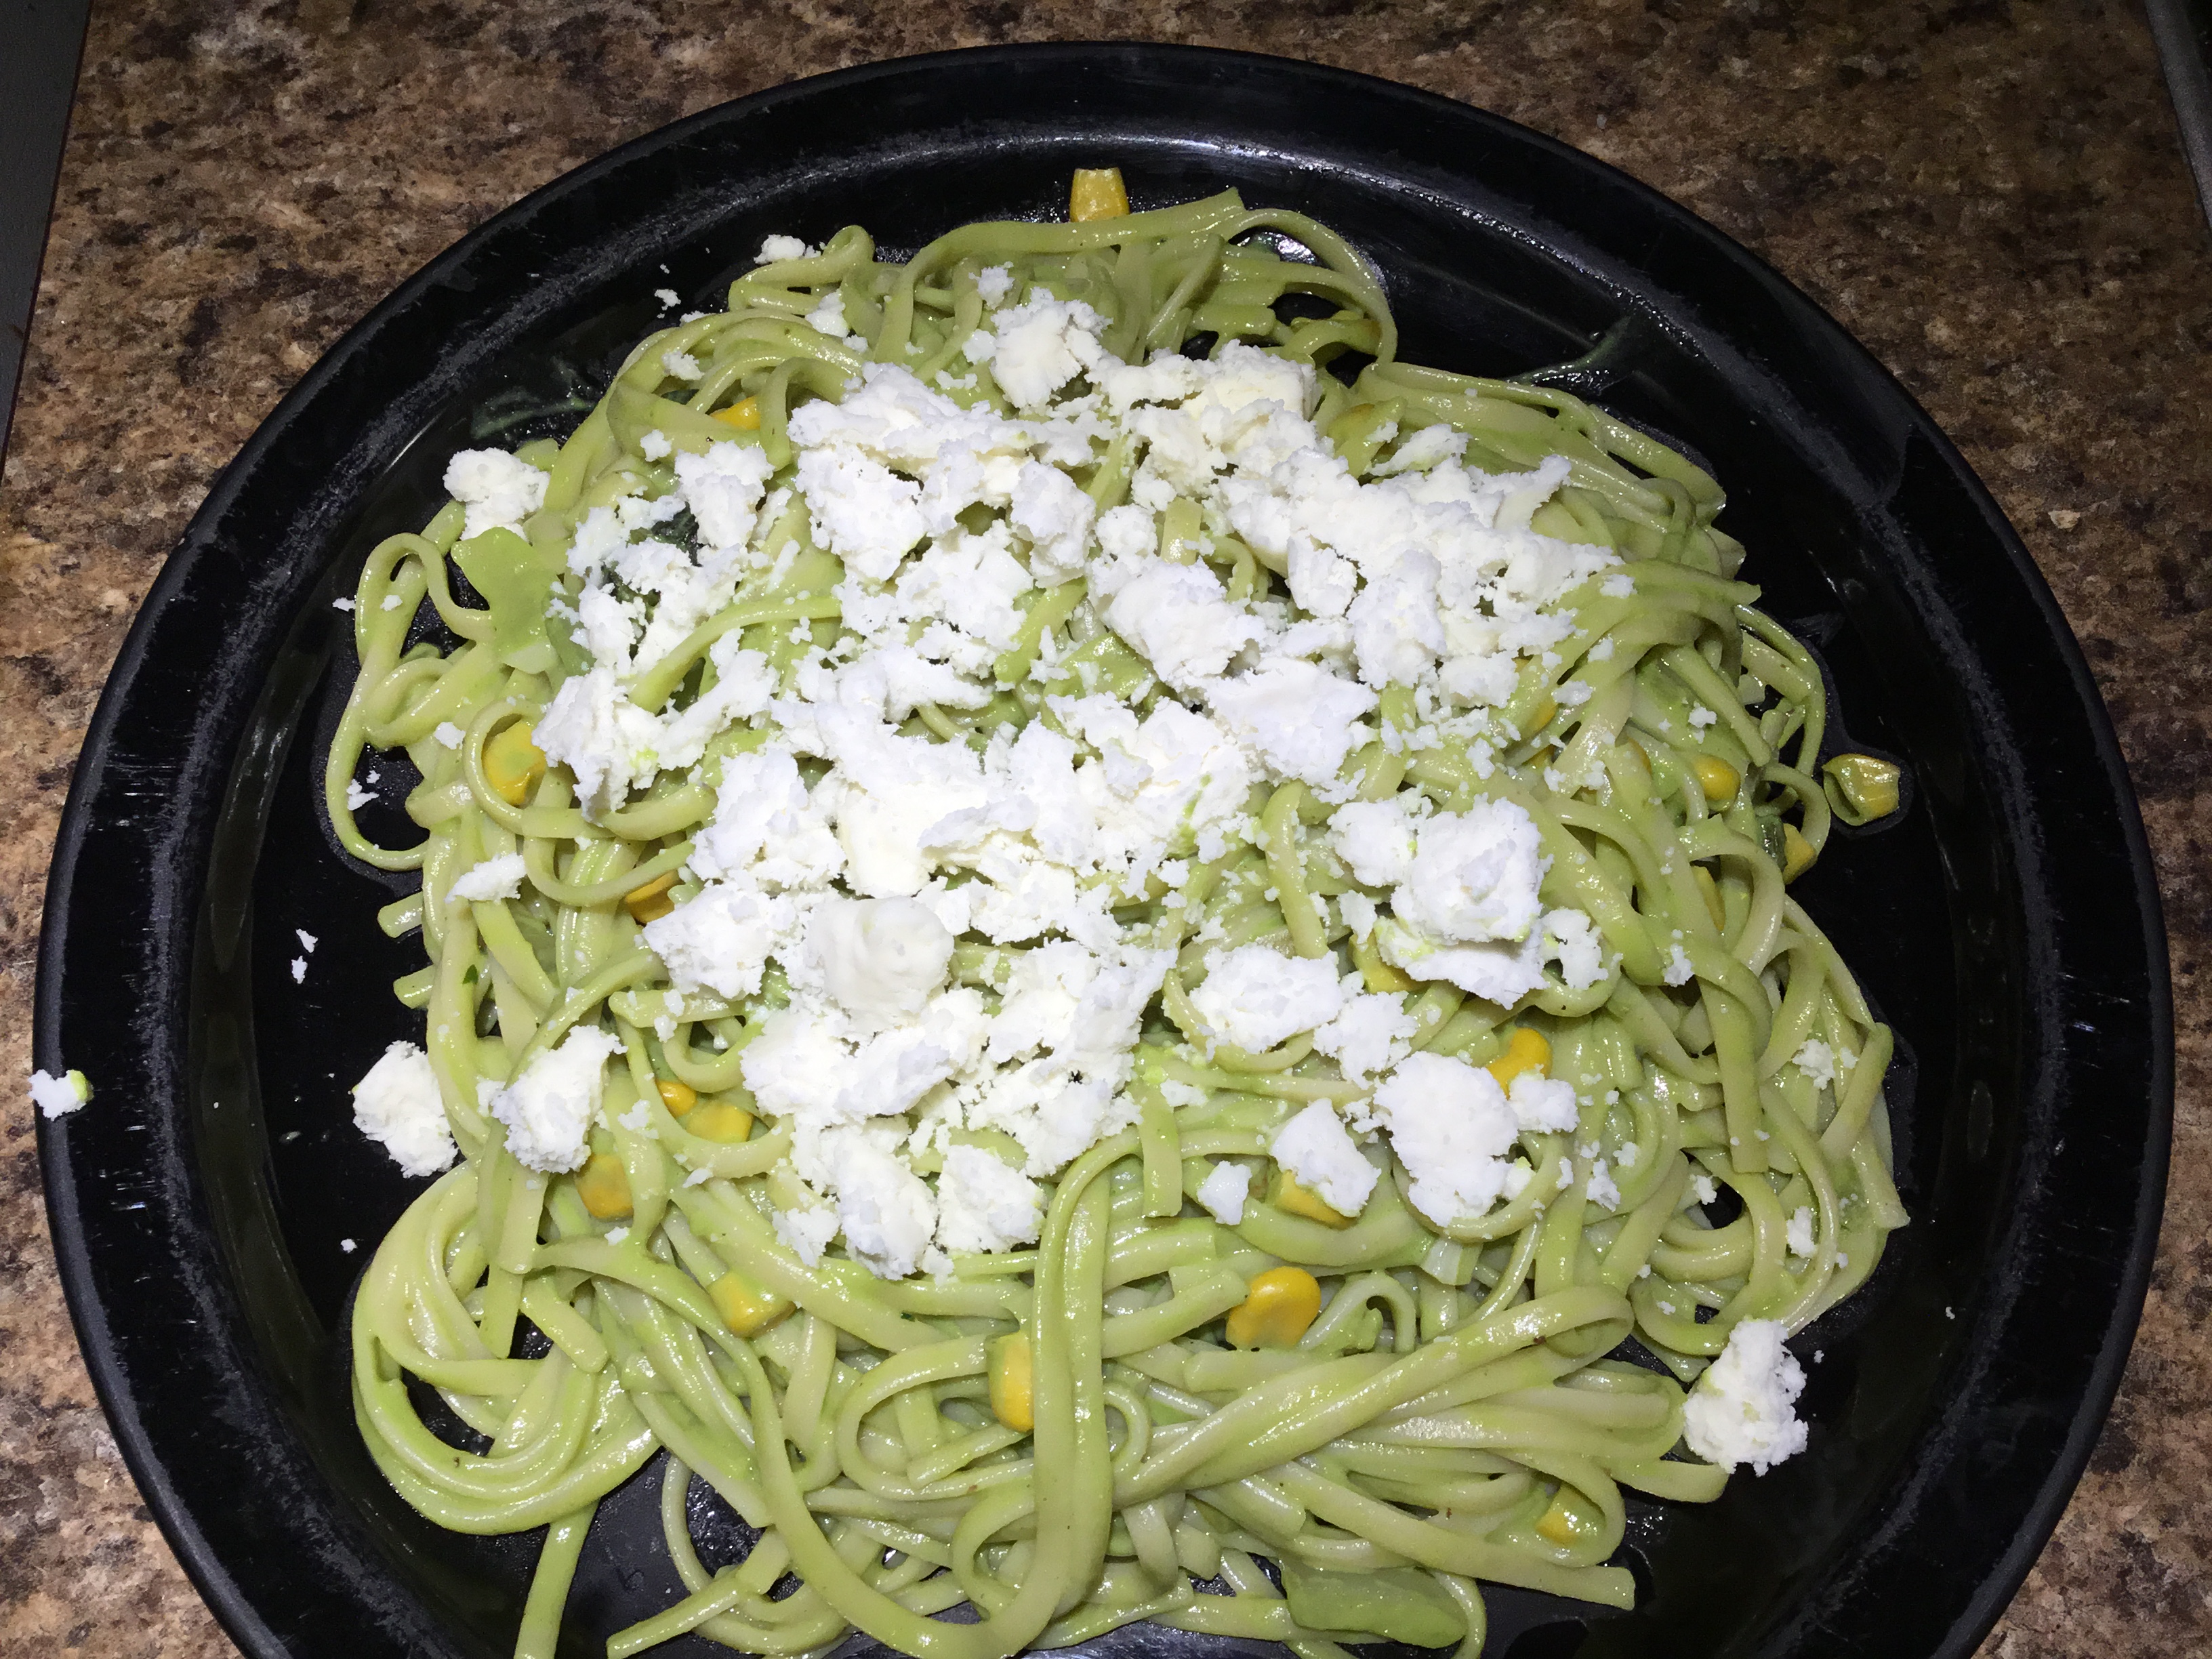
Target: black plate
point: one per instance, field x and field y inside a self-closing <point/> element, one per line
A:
<point x="2007" y="925"/>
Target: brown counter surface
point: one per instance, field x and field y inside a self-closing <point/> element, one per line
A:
<point x="1990" y="195"/>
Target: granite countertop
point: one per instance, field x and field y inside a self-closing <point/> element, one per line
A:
<point x="1990" y="194"/>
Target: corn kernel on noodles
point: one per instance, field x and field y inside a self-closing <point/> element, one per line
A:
<point x="1065" y="963"/>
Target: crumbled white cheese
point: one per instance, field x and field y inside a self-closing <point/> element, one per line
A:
<point x="881" y="958"/>
<point x="848" y="851"/>
<point x="721" y="940"/>
<point x="984" y="1204"/>
<point x="448" y="734"/>
<point x="1298" y="719"/>
<point x="1452" y="1128"/>
<point x="1474" y="875"/>
<point x="1056" y="516"/>
<point x="1602" y="1188"/>
<point x="1178" y="616"/>
<point x="1223" y="1192"/>
<point x="548" y="1108"/>
<point x="828" y="316"/>
<point x="1740" y="1411"/>
<point x="494" y="878"/>
<point x="1255" y="997"/>
<point x="1543" y="1104"/>
<point x="886" y="1212"/>
<point x="1817" y="1061"/>
<point x="498" y="491"/>
<point x="1323" y="1159"/>
<point x="1369" y="1034"/>
<point x="58" y="1096"/>
<point x="1799" y="1233"/>
<point x="397" y="1104"/>
<point x="777" y="250"/>
<point x="1375" y="839"/>
<point x="1036" y="348"/>
<point x="299" y="970"/>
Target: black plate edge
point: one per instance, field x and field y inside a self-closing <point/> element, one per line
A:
<point x="216" y="1583"/>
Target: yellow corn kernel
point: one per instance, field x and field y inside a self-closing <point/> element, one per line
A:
<point x="1527" y="1051"/>
<point x="1711" y="893"/>
<point x="1277" y="1308"/>
<point x="651" y="902"/>
<point x="679" y="1097"/>
<point x="1014" y="1381"/>
<point x="721" y="1122"/>
<point x="1377" y="974"/>
<point x="603" y="1186"/>
<point x="1797" y="853"/>
<point x="513" y="763"/>
<point x="744" y="415"/>
<point x="746" y="1307"/>
<point x="1287" y="1195"/>
<point x="1097" y="194"/>
<point x="1569" y="1521"/>
<point x="1861" y="787"/>
<point x="1716" y="778"/>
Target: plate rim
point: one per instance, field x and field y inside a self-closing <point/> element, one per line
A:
<point x="214" y="1578"/>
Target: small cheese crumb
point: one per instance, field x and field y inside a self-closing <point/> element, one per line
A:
<point x="1224" y="1192"/>
<point x="1321" y="1158"/>
<point x="347" y="1246"/>
<point x="58" y="1096"/>
<point x="1817" y="1061"/>
<point x="495" y="879"/>
<point x="299" y="970"/>
<point x="449" y="734"/>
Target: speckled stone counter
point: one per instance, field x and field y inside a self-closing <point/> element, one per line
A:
<point x="1988" y="194"/>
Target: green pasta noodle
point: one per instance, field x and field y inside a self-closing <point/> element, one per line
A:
<point x="1218" y="1378"/>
